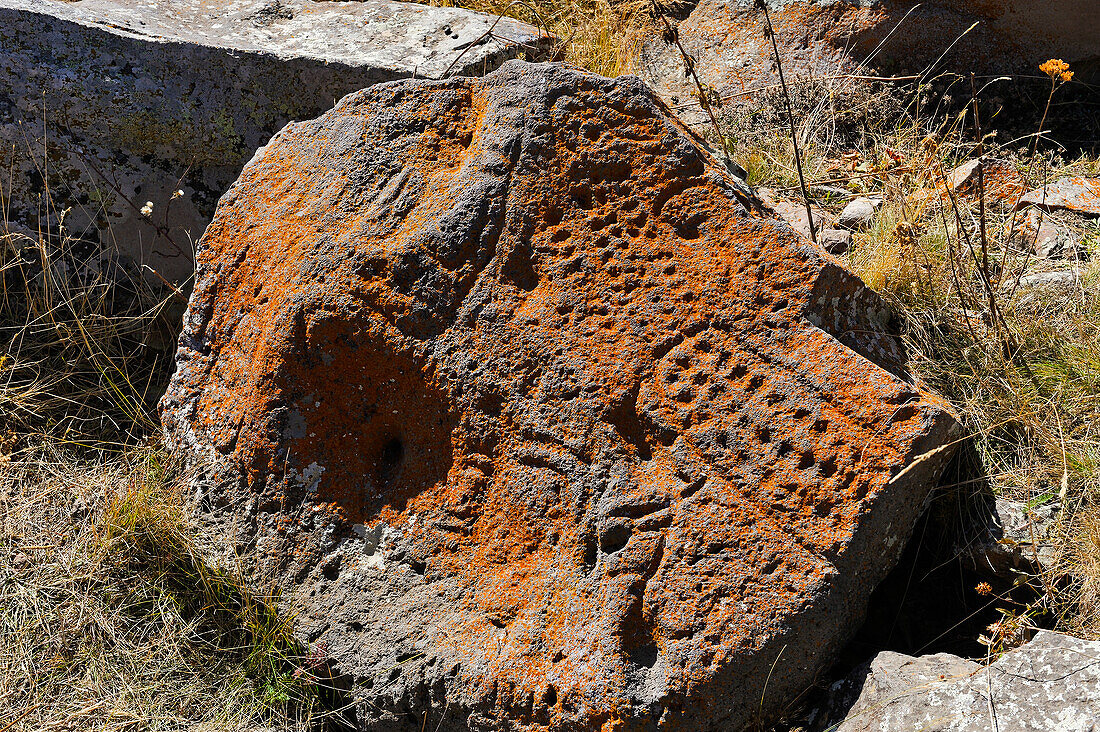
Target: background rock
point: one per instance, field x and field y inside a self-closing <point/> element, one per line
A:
<point x="1014" y="539"/>
<point x="537" y="418"/>
<point x="857" y="215"/>
<point x="143" y="99"/>
<point x="1079" y="195"/>
<point x="824" y="39"/>
<point x="1051" y="684"/>
<point x="835" y="241"/>
<point x="1058" y="279"/>
<point x="1039" y="233"/>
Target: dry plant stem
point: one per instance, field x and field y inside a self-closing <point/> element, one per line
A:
<point x="994" y="311"/>
<point x="763" y="5"/>
<point x="983" y="273"/>
<point x="689" y="64"/>
<point x="955" y="281"/>
<point x="1027" y="179"/>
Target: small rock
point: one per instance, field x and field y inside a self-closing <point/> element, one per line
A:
<point x="20" y="561"/>
<point x="1001" y="180"/>
<point x="795" y="215"/>
<point x="835" y="241"/>
<point x="1052" y="683"/>
<point x="857" y="215"/>
<point x="1039" y="234"/>
<point x="1064" y="278"/>
<point x="1080" y="195"/>
<point x="1014" y="538"/>
<point x="966" y="175"/>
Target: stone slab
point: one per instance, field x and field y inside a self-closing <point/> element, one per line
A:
<point x="142" y="99"/>
<point x="1076" y="194"/>
<point x="1051" y="684"/>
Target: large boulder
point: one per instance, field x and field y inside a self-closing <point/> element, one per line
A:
<point x="139" y="100"/>
<point x="1051" y="684"/>
<point x="537" y="419"/>
<point x="825" y="39"/>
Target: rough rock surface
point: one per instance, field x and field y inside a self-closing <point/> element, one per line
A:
<point x="1015" y="539"/>
<point x="794" y="213"/>
<point x="823" y="38"/>
<point x="1051" y="684"/>
<point x="540" y="423"/>
<point x="1079" y="195"/>
<point x="835" y="241"/>
<point x="1040" y="233"/>
<point x="1059" y="279"/>
<point x="143" y="99"/>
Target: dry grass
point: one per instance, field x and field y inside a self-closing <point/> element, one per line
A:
<point x="109" y="620"/>
<point x="596" y="35"/>
<point x="87" y="344"/>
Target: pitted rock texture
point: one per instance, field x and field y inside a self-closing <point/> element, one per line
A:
<point x="540" y="422"/>
<point x="824" y="39"/>
<point x="1051" y="684"/>
<point x="143" y="99"/>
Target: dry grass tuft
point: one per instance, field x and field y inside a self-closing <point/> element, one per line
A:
<point x="596" y="35"/>
<point x="87" y="343"/>
<point x="110" y="620"/>
<point x="109" y="617"/>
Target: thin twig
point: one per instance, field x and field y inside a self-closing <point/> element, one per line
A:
<point x="689" y="64"/>
<point x="763" y="5"/>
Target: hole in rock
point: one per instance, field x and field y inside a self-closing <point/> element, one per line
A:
<point x="614" y="537"/>
<point x="365" y="420"/>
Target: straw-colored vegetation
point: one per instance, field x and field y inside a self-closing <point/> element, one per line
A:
<point x="598" y="35"/>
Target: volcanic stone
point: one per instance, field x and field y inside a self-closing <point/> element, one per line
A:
<point x="858" y="214"/>
<point x="140" y="100"/>
<point x="535" y="416"/>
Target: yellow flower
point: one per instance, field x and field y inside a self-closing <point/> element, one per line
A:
<point x="984" y="588"/>
<point x="1057" y="70"/>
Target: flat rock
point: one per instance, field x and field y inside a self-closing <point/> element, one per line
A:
<point x="822" y="39"/>
<point x="1051" y="684"/>
<point x="1000" y="181"/>
<point x="1051" y="280"/>
<point x="794" y="213"/>
<point x="539" y="419"/>
<point x="835" y="241"/>
<point x="1079" y="195"/>
<point x="143" y="99"/>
